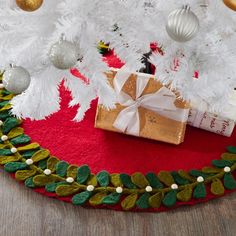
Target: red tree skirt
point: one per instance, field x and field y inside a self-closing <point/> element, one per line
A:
<point x="82" y="144"/>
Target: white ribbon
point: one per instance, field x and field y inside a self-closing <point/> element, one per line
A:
<point x="161" y="102"/>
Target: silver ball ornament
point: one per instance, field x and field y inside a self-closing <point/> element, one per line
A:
<point x="64" y="54"/>
<point x="16" y="79"/>
<point x="182" y="25"/>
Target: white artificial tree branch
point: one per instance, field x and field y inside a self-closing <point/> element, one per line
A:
<point x="26" y="38"/>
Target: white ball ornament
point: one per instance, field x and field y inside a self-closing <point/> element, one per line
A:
<point x="47" y="172"/>
<point x="16" y="79"/>
<point x="70" y="180"/>
<point x="119" y="189"/>
<point x="29" y="162"/>
<point x="227" y="169"/>
<point x="174" y="186"/>
<point x="148" y="189"/>
<point x="64" y="54"/>
<point x="90" y="188"/>
<point x="182" y="25"/>
<point x="4" y="138"/>
<point x="200" y="179"/>
<point x="13" y="150"/>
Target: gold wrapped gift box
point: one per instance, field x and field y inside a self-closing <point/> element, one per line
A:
<point x="151" y="123"/>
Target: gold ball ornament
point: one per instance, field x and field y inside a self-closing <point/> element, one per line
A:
<point x="231" y="4"/>
<point x="29" y="5"/>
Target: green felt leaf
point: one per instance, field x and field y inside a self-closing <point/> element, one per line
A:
<point x="22" y="139"/>
<point x="30" y="183"/>
<point x="5" y="152"/>
<point x="40" y="155"/>
<point x="51" y="163"/>
<point x="185" y="175"/>
<point x="15" y="132"/>
<point x="4" y="115"/>
<point x="51" y="188"/>
<point x="229" y="181"/>
<point x="43" y="180"/>
<point x="139" y="180"/>
<point x="92" y="180"/>
<point x="28" y="154"/>
<point x="217" y="187"/>
<point x="6" y="97"/>
<point x="211" y="170"/>
<point x="166" y="178"/>
<point x="111" y="199"/>
<point x="228" y="156"/>
<point x="185" y="195"/>
<point x="231" y="149"/>
<point x="153" y="180"/>
<point x="6" y="159"/>
<point x="14" y="166"/>
<point x="61" y="168"/>
<point x="179" y="179"/>
<point x="67" y="190"/>
<point x="22" y="175"/>
<point x="143" y="201"/>
<point x="103" y="178"/>
<point x="9" y="124"/>
<point x="129" y="202"/>
<point x="81" y="198"/>
<point x="96" y="199"/>
<point x="4" y="103"/>
<point x="42" y="164"/>
<point x="5" y="108"/>
<point x="29" y="147"/>
<point x="72" y="171"/>
<point x="126" y="180"/>
<point x="83" y="174"/>
<point x="115" y="180"/>
<point x="3" y="145"/>
<point x="197" y="173"/>
<point x="221" y="163"/>
<point x="6" y="92"/>
<point x="200" y="191"/>
<point x="155" y="200"/>
<point x="170" y="198"/>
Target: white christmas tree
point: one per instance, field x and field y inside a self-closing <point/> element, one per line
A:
<point x="202" y="69"/>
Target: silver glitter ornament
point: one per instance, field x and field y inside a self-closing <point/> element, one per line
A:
<point x="182" y="25"/>
<point x="64" y="54"/>
<point x="16" y="79"/>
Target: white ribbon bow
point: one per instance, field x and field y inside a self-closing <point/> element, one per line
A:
<point x="161" y="102"/>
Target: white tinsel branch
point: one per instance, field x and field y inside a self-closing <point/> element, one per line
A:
<point x="26" y="38"/>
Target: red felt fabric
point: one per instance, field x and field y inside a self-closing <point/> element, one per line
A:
<point x="81" y="143"/>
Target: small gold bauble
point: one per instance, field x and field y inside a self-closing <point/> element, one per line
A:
<point x="231" y="4"/>
<point x="29" y="5"/>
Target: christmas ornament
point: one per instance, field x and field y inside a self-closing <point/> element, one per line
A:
<point x="16" y="79"/>
<point x="182" y="25"/>
<point x="29" y="5"/>
<point x="231" y="4"/>
<point x="64" y="54"/>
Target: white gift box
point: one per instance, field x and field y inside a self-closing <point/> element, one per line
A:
<point x="222" y="124"/>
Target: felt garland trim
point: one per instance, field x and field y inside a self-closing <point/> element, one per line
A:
<point x="35" y="166"/>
